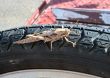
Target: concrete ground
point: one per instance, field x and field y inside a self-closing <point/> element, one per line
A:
<point x="15" y="12"/>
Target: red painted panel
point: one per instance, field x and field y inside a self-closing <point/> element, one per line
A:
<point x="47" y="17"/>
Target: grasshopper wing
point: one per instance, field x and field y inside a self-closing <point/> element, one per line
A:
<point x="29" y="40"/>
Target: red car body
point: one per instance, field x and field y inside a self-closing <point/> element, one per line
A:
<point x="44" y="14"/>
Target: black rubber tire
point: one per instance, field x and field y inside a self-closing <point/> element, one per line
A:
<point x="91" y="54"/>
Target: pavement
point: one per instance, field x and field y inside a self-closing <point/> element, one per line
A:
<point x="14" y="13"/>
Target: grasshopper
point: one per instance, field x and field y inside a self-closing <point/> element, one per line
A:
<point x="48" y="36"/>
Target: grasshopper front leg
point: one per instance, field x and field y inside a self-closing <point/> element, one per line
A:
<point x="68" y="41"/>
<point x="51" y="45"/>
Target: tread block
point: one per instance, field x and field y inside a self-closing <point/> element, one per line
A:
<point x="31" y="30"/>
<point x="103" y="40"/>
<point x="12" y="35"/>
<point x="89" y="37"/>
<point x="75" y="35"/>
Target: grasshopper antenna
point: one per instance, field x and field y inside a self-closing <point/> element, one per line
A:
<point x="71" y="28"/>
<point x="62" y="26"/>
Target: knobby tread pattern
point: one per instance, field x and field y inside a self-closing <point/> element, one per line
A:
<point x="92" y="37"/>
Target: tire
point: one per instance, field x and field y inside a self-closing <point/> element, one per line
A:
<point x="90" y="56"/>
